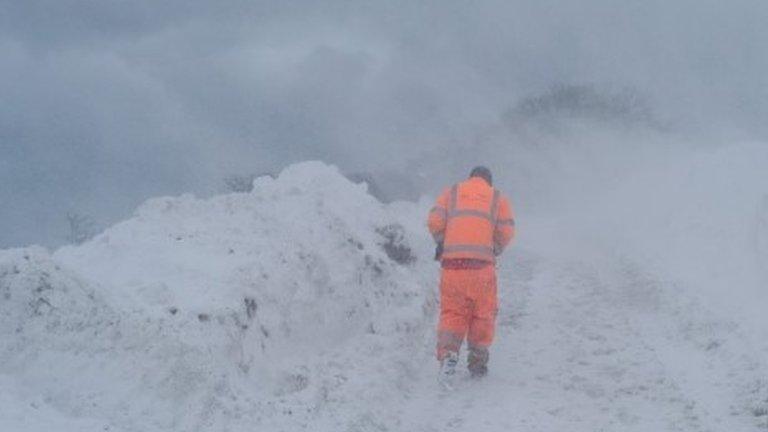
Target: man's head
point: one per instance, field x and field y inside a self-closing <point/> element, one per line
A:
<point x="483" y="173"/>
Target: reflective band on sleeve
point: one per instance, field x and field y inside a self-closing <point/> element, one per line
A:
<point x="510" y="222"/>
<point x="487" y="250"/>
<point x="472" y="213"/>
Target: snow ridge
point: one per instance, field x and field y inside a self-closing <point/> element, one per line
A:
<point x="306" y="304"/>
<point x="230" y="311"/>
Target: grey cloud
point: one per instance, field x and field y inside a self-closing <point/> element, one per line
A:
<point x="106" y="103"/>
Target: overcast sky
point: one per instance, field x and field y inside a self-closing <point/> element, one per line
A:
<point x="106" y="103"/>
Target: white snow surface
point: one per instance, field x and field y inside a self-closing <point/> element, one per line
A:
<point x="281" y="310"/>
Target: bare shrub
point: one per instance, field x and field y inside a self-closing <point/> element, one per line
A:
<point x="81" y="228"/>
<point x="563" y="101"/>
<point x="243" y="183"/>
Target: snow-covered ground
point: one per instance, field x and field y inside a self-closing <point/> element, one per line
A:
<point x="308" y="305"/>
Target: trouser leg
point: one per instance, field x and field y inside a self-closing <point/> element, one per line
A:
<point x="483" y="321"/>
<point x="454" y="314"/>
<point x="447" y="342"/>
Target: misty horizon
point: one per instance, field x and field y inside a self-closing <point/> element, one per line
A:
<point x="107" y="105"/>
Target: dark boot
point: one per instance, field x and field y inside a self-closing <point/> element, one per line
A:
<point x="477" y="361"/>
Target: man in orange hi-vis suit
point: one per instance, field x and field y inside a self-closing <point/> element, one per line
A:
<point x="472" y="223"/>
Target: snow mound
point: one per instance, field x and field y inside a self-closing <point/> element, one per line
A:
<point x="241" y="309"/>
<point x="306" y="304"/>
<point x="42" y="305"/>
<point x="300" y="257"/>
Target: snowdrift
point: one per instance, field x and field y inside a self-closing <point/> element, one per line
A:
<point x="235" y="312"/>
<point x="307" y="304"/>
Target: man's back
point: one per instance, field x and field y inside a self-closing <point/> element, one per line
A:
<point x="472" y="220"/>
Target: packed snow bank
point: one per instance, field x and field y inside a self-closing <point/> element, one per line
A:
<point x="300" y="252"/>
<point x="235" y="311"/>
<point x="22" y="411"/>
<point x="308" y="305"/>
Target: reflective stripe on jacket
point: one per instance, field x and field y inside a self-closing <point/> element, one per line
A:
<point x="473" y="220"/>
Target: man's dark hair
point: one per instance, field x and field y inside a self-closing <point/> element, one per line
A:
<point x="482" y="172"/>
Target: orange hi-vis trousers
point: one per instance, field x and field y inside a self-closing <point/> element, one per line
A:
<point x="468" y="306"/>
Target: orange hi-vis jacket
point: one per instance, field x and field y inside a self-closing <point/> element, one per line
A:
<point x="472" y="220"/>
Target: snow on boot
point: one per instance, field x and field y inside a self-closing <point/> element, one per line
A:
<point x="448" y="370"/>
